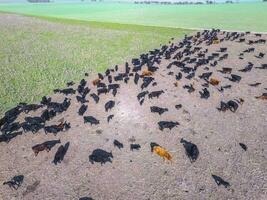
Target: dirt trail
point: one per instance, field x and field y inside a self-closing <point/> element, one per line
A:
<point x="140" y="174"/>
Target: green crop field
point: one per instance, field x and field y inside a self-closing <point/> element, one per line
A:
<point x="242" y="16"/>
<point x="39" y="55"/>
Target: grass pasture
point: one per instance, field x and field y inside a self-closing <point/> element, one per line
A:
<point x="39" y="55"/>
<point x="242" y="16"/>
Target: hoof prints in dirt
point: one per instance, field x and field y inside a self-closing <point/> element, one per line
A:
<point x="190" y="64"/>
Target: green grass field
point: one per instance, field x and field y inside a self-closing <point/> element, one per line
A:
<point x="39" y="55"/>
<point x="243" y="16"/>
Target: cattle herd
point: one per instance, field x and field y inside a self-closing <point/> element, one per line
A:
<point x="188" y="59"/>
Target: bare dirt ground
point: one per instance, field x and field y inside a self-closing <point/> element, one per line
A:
<point x="143" y="175"/>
